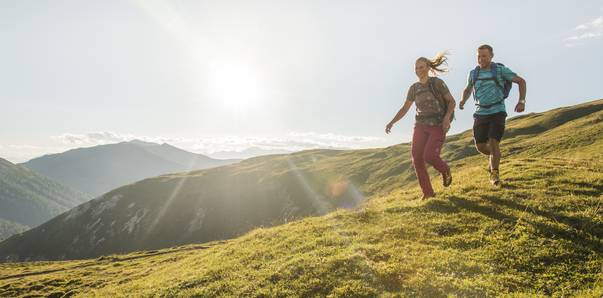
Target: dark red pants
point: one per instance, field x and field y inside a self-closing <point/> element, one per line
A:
<point x="427" y="142"/>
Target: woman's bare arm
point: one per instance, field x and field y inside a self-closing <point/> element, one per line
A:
<point x="399" y="115"/>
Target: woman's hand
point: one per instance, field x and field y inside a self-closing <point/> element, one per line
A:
<point x="445" y="124"/>
<point x="388" y="127"/>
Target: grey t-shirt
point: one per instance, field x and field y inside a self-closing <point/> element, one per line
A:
<point x="430" y="110"/>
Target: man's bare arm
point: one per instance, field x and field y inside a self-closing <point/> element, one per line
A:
<point x="464" y="97"/>
<point x="520" y="107"/>
<point x="522" y="87"/>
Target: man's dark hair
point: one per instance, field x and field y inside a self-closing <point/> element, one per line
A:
<point x="486" y="47"/>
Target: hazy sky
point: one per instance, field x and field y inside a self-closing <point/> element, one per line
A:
<point x="224" y="75"/>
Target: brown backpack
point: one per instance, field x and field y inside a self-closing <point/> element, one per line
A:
<point x="439" y="97"/>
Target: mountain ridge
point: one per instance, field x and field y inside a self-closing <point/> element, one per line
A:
<point x="98" y="169"/>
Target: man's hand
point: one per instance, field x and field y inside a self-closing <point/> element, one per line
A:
<point x="461" y="105"/>
<point x="520" y="107"/>
<point x="388" y="127"/>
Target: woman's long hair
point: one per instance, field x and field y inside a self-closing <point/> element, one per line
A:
<point x="436" y="63"/>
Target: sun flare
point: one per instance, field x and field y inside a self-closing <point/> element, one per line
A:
<point x="237" y="86"/>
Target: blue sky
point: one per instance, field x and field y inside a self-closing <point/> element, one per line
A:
<point x="226" y="75"/>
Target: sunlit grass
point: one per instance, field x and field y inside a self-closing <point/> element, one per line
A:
<point x="540" y="234"/>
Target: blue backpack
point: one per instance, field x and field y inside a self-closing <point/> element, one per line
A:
<point x="505" y="86"/>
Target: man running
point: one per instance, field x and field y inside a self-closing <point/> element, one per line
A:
<point x="490" y="84"/>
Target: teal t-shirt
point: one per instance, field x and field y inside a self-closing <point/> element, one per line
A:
<point x="488" y="92"/>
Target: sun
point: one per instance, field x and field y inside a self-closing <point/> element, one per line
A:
<point x="236" y="85"/>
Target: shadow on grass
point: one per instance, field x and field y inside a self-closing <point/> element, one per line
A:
<point x="441" y="206"/>
<point x="582" y="230"/>
<point x="575" y="233"/>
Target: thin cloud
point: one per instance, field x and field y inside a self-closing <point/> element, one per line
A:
<point x="105" y="137"/>
<point x="93" y="139"/>
<point x="25" y="147"/>
<point x="294" y="141"/>
<point x="587" y="35"/>
<point x="17" y="153"/>
<point x="584" y="32"/>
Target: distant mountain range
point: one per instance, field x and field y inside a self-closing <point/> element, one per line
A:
<point x="9" y="228"/>
<point x="97" y="170"/>
<point x="217" y="203"/>
<point x="28" y="199"/>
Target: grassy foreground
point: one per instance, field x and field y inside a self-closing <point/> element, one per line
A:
<point x="539" y="235"/>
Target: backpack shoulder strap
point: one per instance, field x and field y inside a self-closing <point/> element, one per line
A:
<point x="494" y="68"/>
<point x="434" y="90"/>
<point x="474" y="75"/>
<point x="436" y="93"/>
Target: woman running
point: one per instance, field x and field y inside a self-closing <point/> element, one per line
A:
<point x="434" y="105"/>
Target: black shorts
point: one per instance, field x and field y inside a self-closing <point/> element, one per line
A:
<point x="489" y="127"/>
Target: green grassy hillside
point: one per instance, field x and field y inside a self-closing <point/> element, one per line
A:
<point x="28" y="199"/>
<point x="539" y="235"/>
